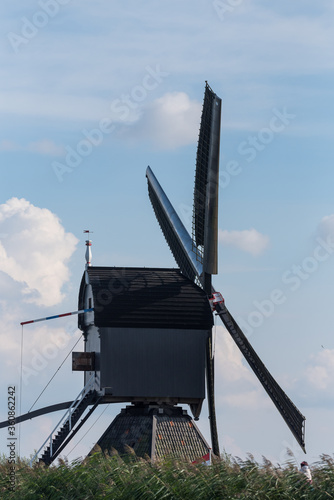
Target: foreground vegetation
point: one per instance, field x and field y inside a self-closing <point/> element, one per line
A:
<point x="111" y="477"/>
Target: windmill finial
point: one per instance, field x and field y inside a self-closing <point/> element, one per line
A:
<point x="88" y="253"/>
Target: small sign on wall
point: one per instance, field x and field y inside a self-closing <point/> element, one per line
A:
<point x="83" y="361"/>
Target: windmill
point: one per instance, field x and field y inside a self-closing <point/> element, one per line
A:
<point x="148" y="332"/>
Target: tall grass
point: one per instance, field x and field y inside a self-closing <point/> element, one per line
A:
<point x="113" y="477"/>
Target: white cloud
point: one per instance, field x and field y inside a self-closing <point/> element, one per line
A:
<point x="229" y="366"/>
<point x="45" y="347"/>
<point x="326" y="226"/>
<point x="236" y="386"/>
<point x="315" y="386"/>
<point x="46" y="147"/>
<point x="65" y="107"/>
<point x="169" y="122"/>
<point x="248" y="240"/>
<point x="254" y="40"/>
<point x="34" y="254"/>
<point x="6" y="145"/>
<point x="35" y="251"/>
<point x="251" y="399"/>
<point x="320" y="372"/>
<point x="231" y="445"/>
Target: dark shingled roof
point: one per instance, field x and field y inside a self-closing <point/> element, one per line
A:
<point x="146" y="298"/>
<point x="157" y="435"/>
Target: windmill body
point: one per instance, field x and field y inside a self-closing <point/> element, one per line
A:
<point x="147" y="335"/>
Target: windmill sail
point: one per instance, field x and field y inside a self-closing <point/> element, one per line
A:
<point x="290" y="413"/>
<point x="197" y="257"/>
<point x="205" y="212"/>
<point x="176" y="235"/>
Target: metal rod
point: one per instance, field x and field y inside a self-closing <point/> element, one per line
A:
<point x="57" y="316"/>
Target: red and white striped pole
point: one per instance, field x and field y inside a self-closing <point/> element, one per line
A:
<point x="57" y="316"/>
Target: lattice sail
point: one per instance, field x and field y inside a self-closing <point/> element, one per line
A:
<point x="205" y="210"/>
<point x="176" y="235"/>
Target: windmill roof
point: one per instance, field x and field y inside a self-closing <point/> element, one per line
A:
<point x="172" y="434"/>
<point x="146" y="298"/>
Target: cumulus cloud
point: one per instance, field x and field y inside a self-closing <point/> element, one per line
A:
<point x="6" y="145"/>
<point x="247" y="400"/>
<point x="169" y="122"/>
<point x="248" y="240"/>
<point x="236" y="385"/>
<point x="35" y="251"/>
<point x="44" y="147"/>
<point x="315" y="386"/>
<point x="320" y="372"/>
<point x="326" y="226"/>
<point x="34" y="255"/>
<point x="229" y="363"/>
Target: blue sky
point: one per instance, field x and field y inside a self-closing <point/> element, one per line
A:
<point x="131" y="78"/>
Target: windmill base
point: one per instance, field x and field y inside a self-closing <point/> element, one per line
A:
<point x="156" y="432"/>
